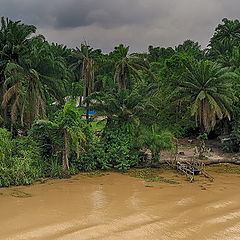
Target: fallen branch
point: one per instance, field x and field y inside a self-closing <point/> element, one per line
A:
<point x="205" y="162"/>
<point x="211" y="162"/>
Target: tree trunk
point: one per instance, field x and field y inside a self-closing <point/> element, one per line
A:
<point x="65" y="160"/>
<point x="87" y="111"/>
<point x="201" y="149"/>
<point x="80" y="101"/>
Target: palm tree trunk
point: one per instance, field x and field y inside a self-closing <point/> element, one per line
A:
<point x="80" y="101"/>
<point x="87" y="111"/>
<point x="65" y="160"/>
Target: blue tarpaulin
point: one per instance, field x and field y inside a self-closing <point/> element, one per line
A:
<point x="91" y="112"/>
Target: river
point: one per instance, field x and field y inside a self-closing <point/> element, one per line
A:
<point x="119" y="207"/>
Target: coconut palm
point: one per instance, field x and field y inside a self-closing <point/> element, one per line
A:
<point x="15" y="38"/>
<point x="207" y="87"/>
<point x="86" y="65"/>
<point x="28" y="87"/>
<point x="23" y="94"/>
<point x="220" y="49"/>
<point x="71" y="124"/>
<point x="121" y="108"/>
<point x="158" y="54"/>
<point x="66" y="134"/>
<point x="229" y="30"/>
<point x="231" y="60"/>
<point x="226" y="36"/>
<point x="155" y="140"/>
<point x="127" y="66"/>
<point x="190" y="48"/>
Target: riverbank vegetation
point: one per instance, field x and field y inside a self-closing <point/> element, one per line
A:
<point x="140" y="101"/>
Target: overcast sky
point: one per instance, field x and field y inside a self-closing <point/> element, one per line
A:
<point x="107" y="23"/>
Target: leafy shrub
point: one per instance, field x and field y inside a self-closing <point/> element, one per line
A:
<point x="231" y="146"/>
<point x="48" y="138"/>
<point x="114" y="150"/>
<point x="62" y="140"/>
<point x="5" y="145"/>
<point x="155" y="140"/>
<point x="20" y="161"/>
<point x="120" y="150"/>
<point x="52" y="167"/>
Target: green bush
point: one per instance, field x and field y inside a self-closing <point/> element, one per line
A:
<point x="155" y="140"/>
<point x="52" y="167"/>
<point x="20" y="160"/>
<point x="6" y="146"/>
<point x="231" y="146"/>
<point x="112" y="151"/>
<point x="48" y="138"/>
<point x="65" y="138"/>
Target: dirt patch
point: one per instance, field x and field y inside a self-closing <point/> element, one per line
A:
<point x="187" y="151"/>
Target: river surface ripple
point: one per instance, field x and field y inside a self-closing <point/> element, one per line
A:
<point x="118" y="207"/>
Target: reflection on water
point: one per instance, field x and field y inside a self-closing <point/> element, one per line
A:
<point x="184" y="201"/>
<point x="99" y="199"/>
<point x="120" y="207"/>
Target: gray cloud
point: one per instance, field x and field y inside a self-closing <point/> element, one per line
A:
<point x="107" y="13"/>
<point x="138" y="23"/>
<point x="75" y="13"/>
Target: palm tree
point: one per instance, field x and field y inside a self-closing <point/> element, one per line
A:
<point x="127" y="66"/>
<point x="66" y="135"/>
<point x="28" y="86"/>
<point x="226" y="36"/>
<point x="23" y="94"/>
<point x="229" y="30"/>
<point x="71" y="124"/>
<point x="190" y="48"/>
<point x="231" y="60"/>
<point x="220" y="49"/>
<point x="159" y="54"/>
<point x="207" y="87"/>
<point x="120" y="108"/>
<point x="86" y="65"/>
<point x="155" y="140"/>
<point x="87" y="71"/>
<point x="15" y="38"/>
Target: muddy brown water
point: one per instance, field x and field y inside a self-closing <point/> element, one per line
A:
<point x="118" y="207"/>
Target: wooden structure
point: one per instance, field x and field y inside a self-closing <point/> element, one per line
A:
<point x="190" y="168"/>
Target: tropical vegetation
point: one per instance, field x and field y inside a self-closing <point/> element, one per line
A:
<point x="141" y="101"/>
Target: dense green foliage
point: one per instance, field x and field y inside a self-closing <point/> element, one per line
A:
<point x="20" y="160"/>
<point x="114" y="150"/>
<point x="142" y="101"/>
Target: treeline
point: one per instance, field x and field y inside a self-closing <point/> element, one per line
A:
<point x="142" y="101"/>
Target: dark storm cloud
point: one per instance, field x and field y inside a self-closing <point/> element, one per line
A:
<point x="139" y="23"/>
<point x="75" y="13"/>
<point x="31" y="12"/>
<point x="106" y="13"/>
